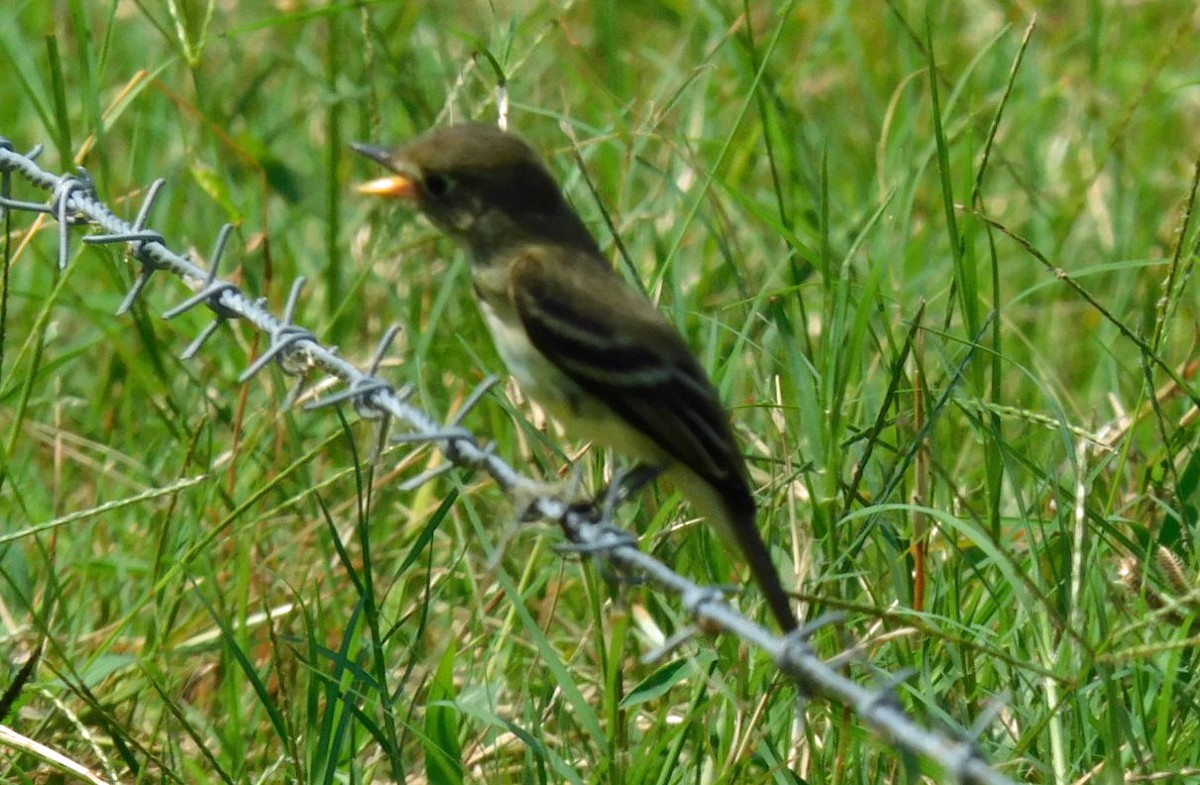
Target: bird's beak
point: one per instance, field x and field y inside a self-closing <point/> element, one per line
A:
<point x="396" y="185"/>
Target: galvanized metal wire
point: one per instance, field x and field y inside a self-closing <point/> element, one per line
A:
<point x="588" y="527"/>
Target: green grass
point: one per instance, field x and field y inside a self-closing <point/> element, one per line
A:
<point x="849" y="208"/>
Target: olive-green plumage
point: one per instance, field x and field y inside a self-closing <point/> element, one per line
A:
<point x="589" y="348"/>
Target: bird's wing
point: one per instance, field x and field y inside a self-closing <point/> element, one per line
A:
<point x="615" y="345"/>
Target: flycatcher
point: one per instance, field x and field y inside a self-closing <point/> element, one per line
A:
<point x="598" y="356"/>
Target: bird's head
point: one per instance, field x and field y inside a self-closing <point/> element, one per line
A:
<point x="483" y="186"/>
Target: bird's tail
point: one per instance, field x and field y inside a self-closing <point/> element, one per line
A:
<point x="732" y="512"/>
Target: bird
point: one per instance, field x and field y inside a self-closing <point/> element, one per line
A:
<point x="595" y="353"/>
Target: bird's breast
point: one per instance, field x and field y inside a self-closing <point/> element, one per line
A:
<point x="538" y="377"/>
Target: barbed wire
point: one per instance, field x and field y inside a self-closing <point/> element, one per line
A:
<point x="588" y="527"/>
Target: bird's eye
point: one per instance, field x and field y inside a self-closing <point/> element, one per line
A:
<point x="437" y="184"/>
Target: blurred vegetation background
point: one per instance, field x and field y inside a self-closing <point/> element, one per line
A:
<point x="938" y="258"/>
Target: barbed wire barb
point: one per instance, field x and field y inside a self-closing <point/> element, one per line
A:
<point x="365" y="393"/>
<point x="5" y="179"/>
<point x="806" y="631"/>
<point x="5" y="195"/>
<point x="587" y="526"/>
<point x="414" y="483"/>
<point x="210" y="294"/>
<point x="888" y="693"/>
<point x="68" y="185"/>
<point x="673" y="643"/>
<point x="137" y="237"/>
<point x="286" y="338"/>
<point x="360" y="391"/>
<point x="473" y="399"/>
